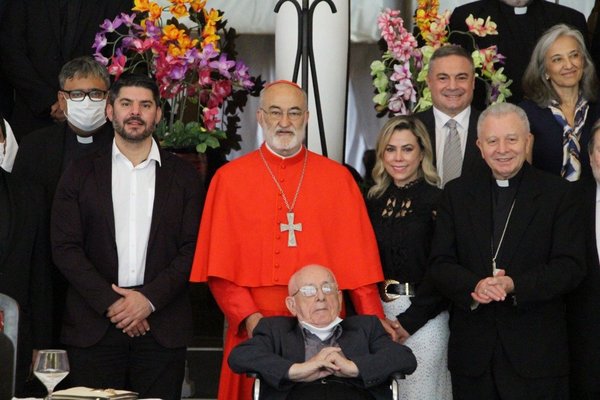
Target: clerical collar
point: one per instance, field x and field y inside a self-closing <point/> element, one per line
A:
<point x="520" y="10"/>
<point x="279" y="155"/>
<point x="85" y="139"/>
<point x="324" y="332"/>
<point x="511" y="182"/>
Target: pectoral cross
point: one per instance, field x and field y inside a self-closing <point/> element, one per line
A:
<point x="290" y="227"/>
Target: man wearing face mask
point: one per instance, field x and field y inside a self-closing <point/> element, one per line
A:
<point x="44" y="154"/>
<point x="520" y="24"/>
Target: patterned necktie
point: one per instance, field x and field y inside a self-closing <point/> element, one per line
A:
<point x="452" y="153"/>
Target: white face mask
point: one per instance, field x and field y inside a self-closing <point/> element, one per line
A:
<point x="86" y="115"/>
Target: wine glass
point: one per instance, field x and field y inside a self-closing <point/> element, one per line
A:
<point x="51" y="367"/>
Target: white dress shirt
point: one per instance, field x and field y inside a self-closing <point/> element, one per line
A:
<point x="442" y="131"/>
<point x="133" y="200"/>
<point x="8" y="149"/>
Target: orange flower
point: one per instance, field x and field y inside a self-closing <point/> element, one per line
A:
<point x="171" y="33"/>
<point x="176" y="51"/>
<point x="179" y="10"/>
<point x="154" y="12"/>
<point x="185" y="42"/>
<point x="141" y="5"/>
<point x="197" y="5"/>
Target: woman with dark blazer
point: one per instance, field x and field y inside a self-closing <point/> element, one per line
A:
<point x="561" y="90"/>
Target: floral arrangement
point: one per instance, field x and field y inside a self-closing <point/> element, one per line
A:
<point x="399" y="77"/>
<point x="194" y="65"/>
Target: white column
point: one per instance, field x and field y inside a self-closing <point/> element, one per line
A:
<point x="330" y="47"/>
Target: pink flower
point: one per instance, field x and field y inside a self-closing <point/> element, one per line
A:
<point x="117" y="65"/>
<point x="479" y="28"/>
<point x="210" y="118"/>
<point x="204" y="77"/>
<point x="399" y="41"/>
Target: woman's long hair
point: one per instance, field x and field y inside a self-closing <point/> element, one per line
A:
<point x="539" y="89"/>
<point x="426" y="169"/>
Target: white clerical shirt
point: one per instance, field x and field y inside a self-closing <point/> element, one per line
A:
<point x="133" y="199"/>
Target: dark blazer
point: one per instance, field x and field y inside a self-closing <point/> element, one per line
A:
<point x="33" y="51"/>
<point x="84" y="248"/>
<point x="516" y="38"/>
<point x="543" y="254"/>
<point x="278" y="342"/>
<point x="41" y="154"/>
<point x="472" y="158"/>
<point x="548" y="138"/>
<point x="25" y="266"/>
<point x="583" y="305"/>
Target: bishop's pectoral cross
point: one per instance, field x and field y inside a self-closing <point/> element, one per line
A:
<point x="291" y="227"/>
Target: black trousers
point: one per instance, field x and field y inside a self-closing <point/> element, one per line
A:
<point x="138" y="364"/>
<point x="501" y="382"/>
<point x="328" y="389"/>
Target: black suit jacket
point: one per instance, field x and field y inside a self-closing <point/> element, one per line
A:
<point x="33" y="51"/>
<point x="84" y="248"/>
<point x="583" y="305"/>
<point x="472" y="157"/>
<point x="278" y="342"/>
<point x="41" y="154"/>
<point x="514" y="40"/>
<point x="25" y="267"/>
<point x="543" y="254"/>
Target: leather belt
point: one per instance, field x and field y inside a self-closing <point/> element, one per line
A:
<point x="390" y="290"/>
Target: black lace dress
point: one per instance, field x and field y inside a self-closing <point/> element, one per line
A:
<point x="403" y="219"/>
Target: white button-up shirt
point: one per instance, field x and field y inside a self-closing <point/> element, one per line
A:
<point x="133" y="200"/>
<point x="441" y="133"/>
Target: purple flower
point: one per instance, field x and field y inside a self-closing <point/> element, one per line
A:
<point x="101" y="59"/>
<point x="99" y="42"/>
<point x="208" y="53"/>
<point x="223" y="65"/>
<point x="152" y="30"/>
<point x="192" y="56"/>
<point x="242" y="75"/>
<point x="177" y="72"/>
<point x="111" y="26"/>
<point x="128" y="19"/>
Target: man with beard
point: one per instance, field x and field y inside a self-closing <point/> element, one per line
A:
<point x="271" y="212"/>
<point x="124" y="226"/>
<point x="520" y="24"/>
<point x="451" y="122"/>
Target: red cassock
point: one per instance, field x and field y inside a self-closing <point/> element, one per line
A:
<point x="245" y="257"/>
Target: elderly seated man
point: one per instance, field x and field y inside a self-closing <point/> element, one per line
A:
<point x="318" y="355"/>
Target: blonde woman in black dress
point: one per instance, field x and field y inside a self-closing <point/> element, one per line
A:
<point x="402" y="206"/>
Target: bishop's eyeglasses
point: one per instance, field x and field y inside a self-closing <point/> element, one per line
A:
<point x="79" y="95"/>
<point x="311" y="290"/>
<point x="276" y="115"/>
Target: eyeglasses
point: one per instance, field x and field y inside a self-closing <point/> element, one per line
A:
<point x="311" y="290"/>
<point x="277" y="115"/>
<point x="79" y="95"/>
